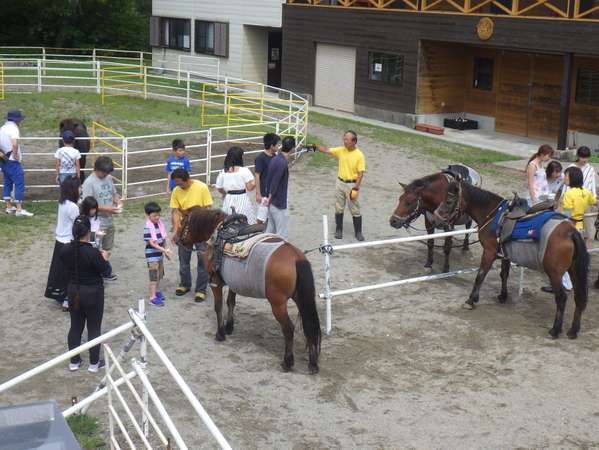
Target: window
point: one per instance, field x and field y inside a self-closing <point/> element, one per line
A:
<point x="212" y="38"/>
<point x="587" y="87"/>
<point x="483" y="74"/>
<point x="386" y="67"/>
<point x="171" y="33"/>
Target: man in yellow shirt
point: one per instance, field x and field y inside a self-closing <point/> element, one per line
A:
<point x="186" y="194"/>
<point x="349" y="179"/>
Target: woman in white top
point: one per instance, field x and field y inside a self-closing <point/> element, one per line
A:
<point x="56" y="288"/>
<point x="583" y="155"/>
<point x="234" y="183"/>
<point x="536" y="176"/>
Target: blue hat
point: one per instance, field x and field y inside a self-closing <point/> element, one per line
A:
<point x="14" y="115"/>
<point x="68" y="135"/>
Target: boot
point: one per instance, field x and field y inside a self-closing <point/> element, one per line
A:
<point x="358" y="228"/>
<point x="339" y="226"/>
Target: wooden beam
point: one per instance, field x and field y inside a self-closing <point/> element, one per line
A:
<point x="564" y="102"/>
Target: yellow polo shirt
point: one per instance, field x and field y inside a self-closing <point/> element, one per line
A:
<point x="195" y="195"/>
<point x="578" y="200"/>
<point x="351" y="162"/>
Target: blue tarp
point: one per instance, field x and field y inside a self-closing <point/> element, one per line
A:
<point x="527" y="228"/>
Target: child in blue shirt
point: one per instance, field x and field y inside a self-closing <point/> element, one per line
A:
<point x="177" y="160"/>
<point x="155" y="237"/>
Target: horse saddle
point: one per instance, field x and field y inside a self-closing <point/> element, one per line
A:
<point x="517" y="210"/>
<point x="233" y="230"/>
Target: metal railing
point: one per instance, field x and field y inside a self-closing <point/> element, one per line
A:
<point x="109" y="386"/>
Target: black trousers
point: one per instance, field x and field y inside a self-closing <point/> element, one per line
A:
<point x="90" y="311"/>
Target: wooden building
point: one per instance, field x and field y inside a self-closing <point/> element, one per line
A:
<point x="525" y="67"/>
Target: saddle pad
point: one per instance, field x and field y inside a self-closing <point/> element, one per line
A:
<point x="247" y="276"/>
<point x="528" y="228"/>
<point x="530" y="253"/>
<point x="242" y="249"/>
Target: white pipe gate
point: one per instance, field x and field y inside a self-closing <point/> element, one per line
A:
<point x="110" y="386"/>
<point x="327" y="250"/>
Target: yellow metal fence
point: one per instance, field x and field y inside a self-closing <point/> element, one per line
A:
<point x="123" y="80"/>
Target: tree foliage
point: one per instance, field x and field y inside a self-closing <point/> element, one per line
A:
<point x="118" y="24"/>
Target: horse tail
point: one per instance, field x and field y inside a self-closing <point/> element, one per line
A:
<point x="305" y="299"/>
<point x="580" y="269"/>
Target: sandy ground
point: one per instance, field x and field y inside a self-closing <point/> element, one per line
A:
<point x="404" y="367"/>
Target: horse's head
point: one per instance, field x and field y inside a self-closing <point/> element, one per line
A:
<point x="198" y="225"/>
<point x="79" y="130"/>
<point x="450" y="209"/>
<point x="419" y="196"/>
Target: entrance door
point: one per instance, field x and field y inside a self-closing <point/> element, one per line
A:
<point x="334" y="84"/>
<point x="529" y="94"/>
<point x="275" y="46"/>
<point x="513" y="93"/>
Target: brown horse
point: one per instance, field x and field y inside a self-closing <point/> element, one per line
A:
<point x="423" y="196"/>
<point x="288" y="275"/>
<point x="566" y="251"/>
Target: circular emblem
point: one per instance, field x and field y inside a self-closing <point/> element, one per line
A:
<point x="484" y="28"/>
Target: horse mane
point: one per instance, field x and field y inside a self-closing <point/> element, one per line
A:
<point x="423" y="182"/>
<point x="202" y="222"/>
<point x="479" y="196"/>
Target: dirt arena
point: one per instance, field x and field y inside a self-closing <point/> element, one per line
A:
<point x="404" y="367"/>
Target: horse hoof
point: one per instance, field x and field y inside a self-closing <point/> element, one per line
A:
<point x="220" y="337"/>
<point x="229" y="328"/>
<point x="572" y="334"/>
<point x="428" y="265"/>
<point x="466" y="248"/>
<point x="502" y="298"/>
<point x="468" y="306"/>
<point x="313" y="369"/>
<point x="553" y="334"/>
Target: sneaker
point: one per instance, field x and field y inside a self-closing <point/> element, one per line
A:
<point x="65" y="305"/>
<point x="11" y="210"/>
<point x="157" y="301"/>
<point x="111" y="277"/>
<point x="74" y="366"/>
<point x="200" y="297"/>
<point x="181" y="291"/>
<point x="160" y="295"/>
<point x="23" y="213"/>
<point x="95" y="368"/>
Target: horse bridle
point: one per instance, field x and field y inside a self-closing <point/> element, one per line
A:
<point x="413" y="215"/>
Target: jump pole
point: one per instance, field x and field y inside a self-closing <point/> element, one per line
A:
<point x="327" y="273"/>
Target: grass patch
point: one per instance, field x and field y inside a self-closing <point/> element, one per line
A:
<point x="25" y="230"/>
<point x="466" y="154"/>
<point x="319" y="160"/>
<point x="86" y="431"/>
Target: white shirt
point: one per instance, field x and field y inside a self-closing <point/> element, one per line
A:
<point x="68" y="157"/>
<point x="8" y="132"/>
<point x="234" y="181"/>
<point x="67" y="213"/>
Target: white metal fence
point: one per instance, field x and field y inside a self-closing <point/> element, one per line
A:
<point x="117" y="401"/>
<point x="140" y="165"/>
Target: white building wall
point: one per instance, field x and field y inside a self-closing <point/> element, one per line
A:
<point x="248" y="46"/>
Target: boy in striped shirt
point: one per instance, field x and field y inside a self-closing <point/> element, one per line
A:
<point x="155" y="238"/>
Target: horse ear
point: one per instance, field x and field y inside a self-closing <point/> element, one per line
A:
<point x="403" y="185"/>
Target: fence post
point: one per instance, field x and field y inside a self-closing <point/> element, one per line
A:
<point x="109" y="395"/>
<point x="327" y="273"/>
<point x="39" y="75"/>
<point x="188" y="88"/>
<point x="225" y="95"/>
<point x="277" y="128"/>
<point x="141" y="63"/>
<point x="208" y="155"/>
<point x="261" y="102"/>
<point x="179" y="69"/>
<point x="145" y="83"/>
<point x="97" y="65"/>
<point x="143" y="356"/>
<point x="125" y="161"/>
<point x="94" y="55"/>
<point x="297" y="125"/>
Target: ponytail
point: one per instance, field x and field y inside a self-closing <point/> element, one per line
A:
<point x="544" y="149"/>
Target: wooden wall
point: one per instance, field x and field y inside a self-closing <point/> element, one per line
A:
<point x="441" y="78"/>
<point x="583" y="117"/>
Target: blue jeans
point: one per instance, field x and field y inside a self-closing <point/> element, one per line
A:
<point x="185" y="267"/>
<point x="13" y="177"/>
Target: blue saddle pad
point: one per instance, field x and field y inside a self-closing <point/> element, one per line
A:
<point x="527" y="228"/>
